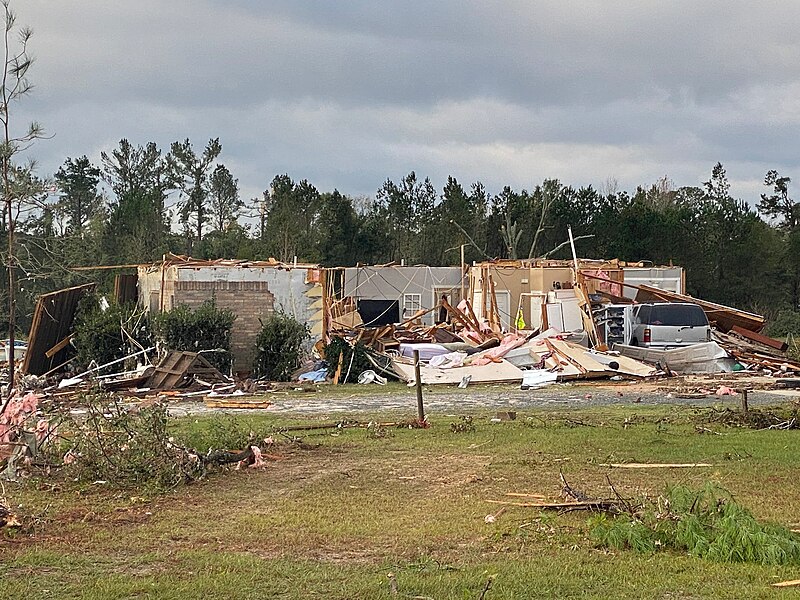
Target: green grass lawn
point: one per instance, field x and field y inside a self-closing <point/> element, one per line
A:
<point x="333" y="516"/>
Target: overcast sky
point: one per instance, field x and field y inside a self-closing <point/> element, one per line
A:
<point x="348" y="93"/>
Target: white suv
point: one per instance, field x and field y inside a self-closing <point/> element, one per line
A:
<point x="669" y="325"/>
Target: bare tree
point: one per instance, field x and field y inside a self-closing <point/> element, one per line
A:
<point x="610" y="186"/>
<point x="550" y="190"/>
<point x="15" y="84"/>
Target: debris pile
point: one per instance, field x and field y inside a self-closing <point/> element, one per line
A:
<point x="454" y="343"/>
<point x="755" y="352"/>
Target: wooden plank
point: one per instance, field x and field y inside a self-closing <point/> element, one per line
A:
<point x="560" y="352"/>
<point x="522" y="495"/>
<point x="495" y="311"/>
<point x="471" y="313"/>
<point x="236" y="402"/>
<point x="760" y="339"/>
<point x="59" y="346"/>
<point x="339" y="369"/>
<point x="458" y="315"/>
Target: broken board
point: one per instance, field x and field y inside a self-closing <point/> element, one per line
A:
<point x="179" y="366"/>
<point x="499" y="372"/>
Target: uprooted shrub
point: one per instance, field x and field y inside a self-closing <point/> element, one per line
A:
<point x="133" y="447"/>
<point x="206" y="328"/>
<point x="102" y="336"/>
<point x="279" y="346"/>
<point x="706" y="523"/>
<point x="124" y="447"/>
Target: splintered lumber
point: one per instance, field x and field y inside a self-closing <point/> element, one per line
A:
<point x="472" y="315"/>
<point x="563" y="352"/>
<point x="465" y="319"/>
<point x="655" y="465"/>
<point x="338" y="372"/>
<point x="752" y="355"/>
<point x="583" y="505"/>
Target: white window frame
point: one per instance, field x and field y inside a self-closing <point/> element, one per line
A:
<point x="412" y="304"/>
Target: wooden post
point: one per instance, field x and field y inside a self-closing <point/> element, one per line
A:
<point x="484" y="290"/>
<point x="745" y="408"/>
<point x="418" y="379"/>
<point x="338" y="372"/>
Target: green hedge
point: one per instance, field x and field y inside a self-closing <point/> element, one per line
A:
<point x="205" y="328"/>
<point x="278" y="347"/>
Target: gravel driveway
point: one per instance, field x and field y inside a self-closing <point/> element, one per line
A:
<point x="375" y="399"/>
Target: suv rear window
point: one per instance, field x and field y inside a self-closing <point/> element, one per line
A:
<point x="674" y="315"/>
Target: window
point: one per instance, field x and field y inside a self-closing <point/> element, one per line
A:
<point x="678" y="315"/>
<point x="412" y="303"/>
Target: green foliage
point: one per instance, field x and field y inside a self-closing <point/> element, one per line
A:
<point x="291" y="211"/>
<point x="278" y="346"/>
<point x="786" y="322"/>
<point x="706" y="523"/>
<point x="205" y="328"/>
<point x="79" y="199"/>
<point x="223" y="431"/>
<point x="356" y="355"/>
<point x="189" y="171"/>
<point x="99" y="333"/>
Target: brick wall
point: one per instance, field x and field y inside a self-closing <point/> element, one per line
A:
<point x="249" y="300"/>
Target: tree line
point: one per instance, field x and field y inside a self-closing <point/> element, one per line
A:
<point x="141" y="202"/>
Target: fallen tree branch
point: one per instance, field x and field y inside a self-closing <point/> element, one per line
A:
<point x="585" y="504"/>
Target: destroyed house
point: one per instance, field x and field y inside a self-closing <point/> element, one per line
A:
<point x="516" y="294"/>
<point x="381" y="295"/>
<point x="253" y="290"/>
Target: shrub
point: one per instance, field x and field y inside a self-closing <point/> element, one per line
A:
<point x="278" y="347"/>
<point x="706" y="523"/>
<point x="205" y="328"/>
<point x="356" y="354"/>
<point x="99" y="333"/>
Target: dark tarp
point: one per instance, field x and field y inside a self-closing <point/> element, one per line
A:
<point x="375" y="313"/>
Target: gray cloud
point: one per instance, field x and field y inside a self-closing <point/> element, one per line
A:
<point x="349" y="93"/>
